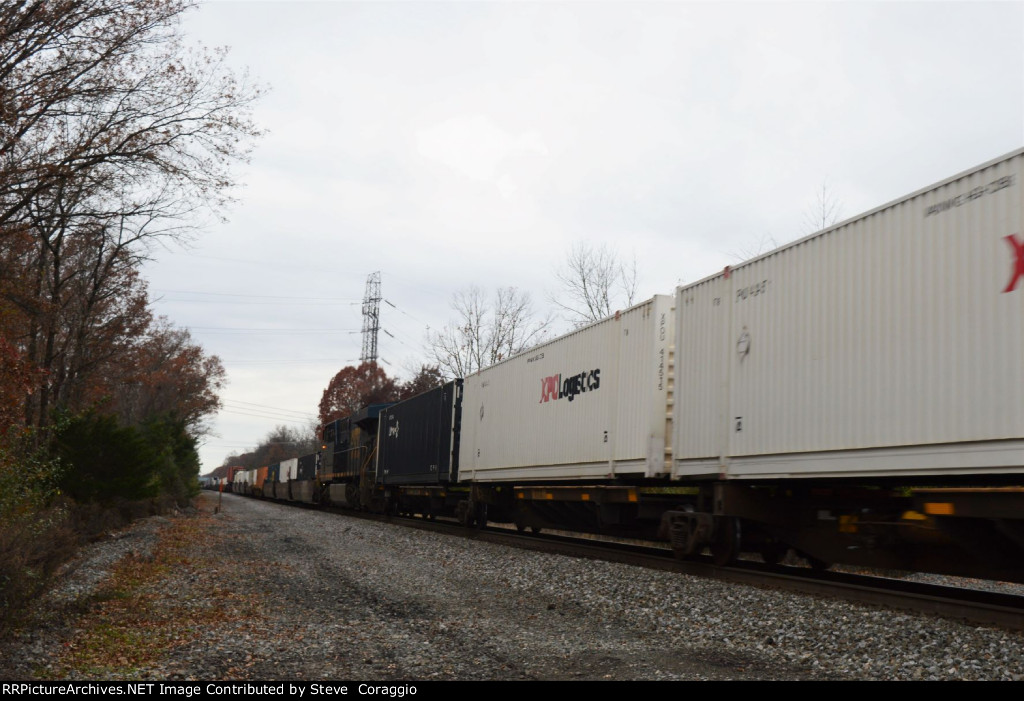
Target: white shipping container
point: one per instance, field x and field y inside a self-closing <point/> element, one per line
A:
<point x="591" y="404"/>
<point x="889" y="344"/>
<point x="288" y="470"/>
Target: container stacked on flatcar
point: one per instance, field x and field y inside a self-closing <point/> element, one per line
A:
<point x="854" y="396"/>
<point x="888" y="345"/>
<point x="241" y="481"/>
<point x="228" y="482"/>
<point x="824" y="383"/>
<point x="270" y="482"/>
<point x="418" y="449"/>
<point x="258" y="479"/>
<point x="283" y="476"/>
<point x="302" y="486"/>
<point x="590" y="407"/>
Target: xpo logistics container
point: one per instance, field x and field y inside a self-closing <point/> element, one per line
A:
<point x="891" y="344"/>
<point x="590" y="404"/>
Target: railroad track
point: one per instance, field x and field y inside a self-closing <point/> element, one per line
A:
<point x="976" y="606"/>
<point x="962" y="603"/>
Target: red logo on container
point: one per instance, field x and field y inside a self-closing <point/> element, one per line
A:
<point x="549" y="387"/>
<point x="1018" y="265"/>
<point x="555" y="387"/>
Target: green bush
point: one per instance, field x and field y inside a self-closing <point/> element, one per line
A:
<point x="90" y="476"/>
<point x="35" y="537"/>
<point x="104" y="461"/>
<point x="177" y="458"/>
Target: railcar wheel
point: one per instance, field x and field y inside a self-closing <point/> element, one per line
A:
<point x="683" y="532"/>
<point x="725" y="546"/>
<point x="352" y="496"/>
<point x="681" y="547"/>
<point x="463" y="514"/>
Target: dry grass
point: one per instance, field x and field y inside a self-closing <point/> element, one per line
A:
<point x="137" y="617"/>
<point x="32" y="548"/>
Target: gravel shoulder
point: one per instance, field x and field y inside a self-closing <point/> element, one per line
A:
<point x="263" y="591"/>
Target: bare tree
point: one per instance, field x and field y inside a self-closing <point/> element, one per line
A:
<point x="105" y="93"/>
<point x="824" y="212"/>
<point x="112" y="134"/>
<point x="282" y="443"/>
<point x="485" y="331"/>
<point x="756" y="248"/>
<point x="596" y="283"/>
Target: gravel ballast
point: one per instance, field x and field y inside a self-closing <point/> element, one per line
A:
<point x="270" y="591"/>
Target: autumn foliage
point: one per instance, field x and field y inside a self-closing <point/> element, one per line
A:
<point x="356" y="387"/>
<point x="353" y="388"/>
<point x="16" y="380"/>
<point x="113" y="135"/>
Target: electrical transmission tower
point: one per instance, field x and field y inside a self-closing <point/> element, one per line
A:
<point x="371" y="318"/>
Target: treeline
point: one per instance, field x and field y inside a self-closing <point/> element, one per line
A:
<point x="113" y="136"/>
<point x="282" y="443"/>
<point x="351" y="389"/>
<point x="354" y="387"/>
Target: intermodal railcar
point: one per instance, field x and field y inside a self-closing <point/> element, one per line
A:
<point x="854" y="396"/>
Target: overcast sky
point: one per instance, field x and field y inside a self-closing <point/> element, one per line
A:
<point x="472" y="143"/>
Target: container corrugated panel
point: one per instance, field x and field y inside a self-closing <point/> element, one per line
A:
<point x="890" y="344"/>
<point x="289" y="470"/>
<point x="306" y="467"/>
<point x="590" y="404"/>
<point x="699" y="418"/>
<point x="271" y="480"/>
<point x="418" y="438"/>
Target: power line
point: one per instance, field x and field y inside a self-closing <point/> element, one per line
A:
<point x="252" y="296"/>
<point x="265" y="416"/>
<point x="402" y="311"/>
<point x="276" y="264"/>
<point x="266" y="303"/>
<point x="245" y="405"/>
<point x="229" y="330"/>
<point x="293" y="361"/>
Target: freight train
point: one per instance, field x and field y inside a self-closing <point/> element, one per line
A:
<point x="854" y="396"/>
